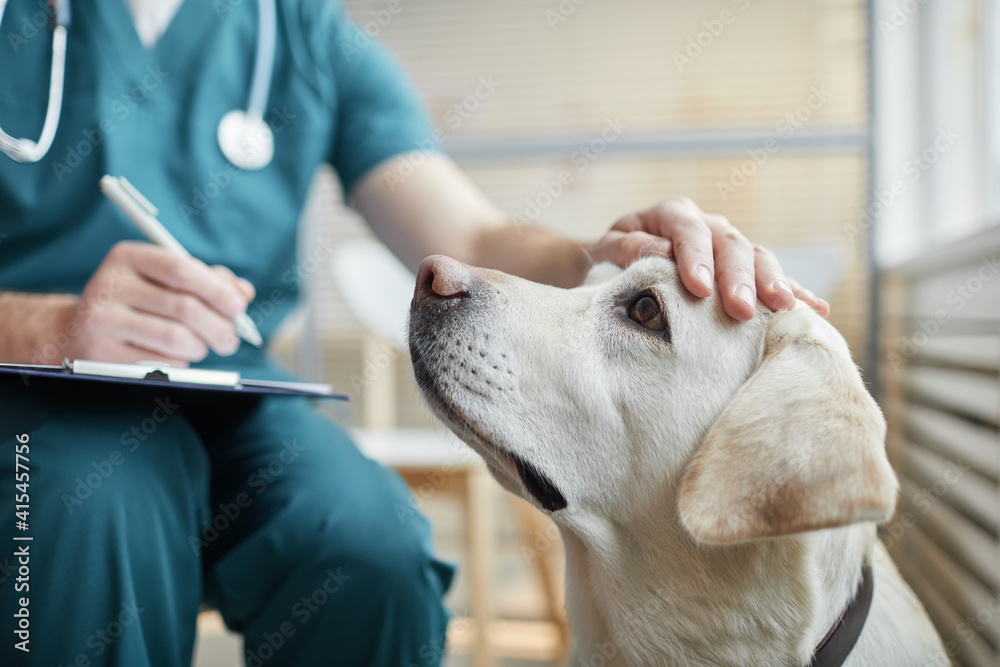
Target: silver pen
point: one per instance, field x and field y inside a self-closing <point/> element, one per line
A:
<point x="139" y="210"/>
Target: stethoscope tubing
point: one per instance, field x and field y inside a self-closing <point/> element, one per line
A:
<point x="263" y="68"/>
<point x="25" y="150"/>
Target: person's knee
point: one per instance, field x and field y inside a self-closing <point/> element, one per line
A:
<point x="395" y="562"/>
<point x="376" y="547"/>
<point x="364" y="586"/>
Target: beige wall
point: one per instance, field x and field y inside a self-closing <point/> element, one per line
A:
<point x="610" y="60"/>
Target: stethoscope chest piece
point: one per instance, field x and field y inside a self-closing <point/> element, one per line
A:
<point x="246" y="140"/>
<point x="244" y="137"/>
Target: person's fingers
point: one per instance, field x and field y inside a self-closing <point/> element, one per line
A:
<point x="623" y="248"/>
<point x="630" y="222"/>
<point x="216" y="330"/>
<point x="734" y="261"/>
<point x="816" y="303"/>
<point x="242" y="284"/>
<point x="103" y="347"/>
<point x="773" y="289"/>
<point x="692" y="245"/>
<point x="657" y="247"/>
<point x="167" y="338"/>
<point x="184" y="274"/>
<point x="707" y="248"/>
<point x="605" y="248"/>
<point x="635" y="245"/>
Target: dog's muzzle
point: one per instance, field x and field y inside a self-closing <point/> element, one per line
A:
<point x="444" y="287"/>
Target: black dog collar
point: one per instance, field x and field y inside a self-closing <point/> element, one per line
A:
<point x="838" y="643"/>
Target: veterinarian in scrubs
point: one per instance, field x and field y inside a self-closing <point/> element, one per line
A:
<point x="142" y="505"/>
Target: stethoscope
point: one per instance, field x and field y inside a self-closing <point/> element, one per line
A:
<point x="244" y="136"/>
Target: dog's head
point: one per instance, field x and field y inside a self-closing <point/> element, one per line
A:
<point x="627" y="396"/>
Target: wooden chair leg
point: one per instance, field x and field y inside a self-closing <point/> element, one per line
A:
<point x="537" y="529"/>
<point x="479" y="533"/>
<point x="379" y="394"/>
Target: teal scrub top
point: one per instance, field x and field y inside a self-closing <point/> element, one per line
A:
<point x="152" y="115"/>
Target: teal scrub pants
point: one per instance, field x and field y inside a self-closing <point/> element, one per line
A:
<point x="145" y="503"/>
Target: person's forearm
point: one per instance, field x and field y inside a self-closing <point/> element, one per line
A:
<point x="438" y="210"/>
<point x="31" y="327"/>
<point x="530" y="252"/>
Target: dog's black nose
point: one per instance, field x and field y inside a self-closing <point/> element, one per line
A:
<point x="441" y="277"/>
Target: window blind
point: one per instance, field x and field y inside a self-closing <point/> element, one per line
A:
<point x="941" y="362"/>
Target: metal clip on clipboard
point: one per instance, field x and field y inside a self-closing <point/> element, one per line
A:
<point x="149" y="370"/>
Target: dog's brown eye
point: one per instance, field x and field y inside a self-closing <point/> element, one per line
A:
<point x="646" y="311"/>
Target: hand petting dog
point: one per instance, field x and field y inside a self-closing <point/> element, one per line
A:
<point x="705" y="244"/>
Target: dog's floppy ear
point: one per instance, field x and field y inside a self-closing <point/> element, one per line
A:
<point x="800" y="447"/>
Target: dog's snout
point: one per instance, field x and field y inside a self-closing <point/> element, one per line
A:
<point x="441" y="277"/>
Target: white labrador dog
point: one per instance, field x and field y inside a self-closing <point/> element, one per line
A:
<point x="717" y="484"/>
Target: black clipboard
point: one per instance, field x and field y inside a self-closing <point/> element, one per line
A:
<point x="162" y="375"/>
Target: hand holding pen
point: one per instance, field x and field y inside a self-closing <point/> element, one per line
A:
<point x="146" y="303"/>
<point x="140" y="211"/>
